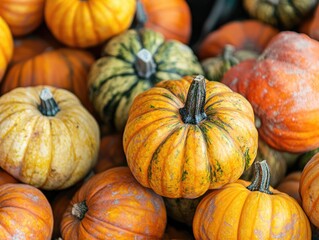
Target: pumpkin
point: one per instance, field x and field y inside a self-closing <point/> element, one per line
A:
<point x="305" y="158"/>
<point x="48" y="139"/>
<point x="309" y="189"/>
<point x="6" y="177"/>
<point x="82" y="24"/>
<point x="284" y="14"/>
<point x="113" y="205"/>
<point x="186" y="136"/>
<point x="250" y="210"/>
<point x="215" y="67"/>
<point x="251" y="35"/>
<point x="6" y="47"/>
<point x="131" y="63"/>
<point x="310" y="26"/>
<point x="171" y="18"/>
<point x="23" y="17"/>
<point x="290" y="185"/>
<point x="25" y="213"/>
<point x="111" y="153"/>
<point x="63" y="68"/>
<point x="281" y="85"/>
<point x="275" y="160"/>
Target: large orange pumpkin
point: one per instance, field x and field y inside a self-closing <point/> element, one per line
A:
<point x="79" y="23"/>
<point x="171" y="18"/>
<point x="250" y="210"/>
<point x="282" y="86"/>
<point x="188" y="135"/>
<point x="6" y="47"/>
<point x="25" y="213"/>
<point x="113" y="205"/>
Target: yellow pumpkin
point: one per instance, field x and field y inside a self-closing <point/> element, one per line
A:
<point x="6" y="46"/>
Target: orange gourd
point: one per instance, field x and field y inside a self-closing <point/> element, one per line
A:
<point x="83" y="23"/>
<point x="6" y="47"/>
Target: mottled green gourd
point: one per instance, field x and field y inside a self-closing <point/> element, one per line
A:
<point x="131" y="63"/>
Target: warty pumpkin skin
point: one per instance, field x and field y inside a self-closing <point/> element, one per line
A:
<point x="22" y="16"/>
<point x="113" y="205"/>
<point x="282" y="87"/>
<point x="78" y="23"/>
<point x="250" y="210"/>
<point x="6" y="47"/>
<point x="309" y="189"/>
<point x="181" y="145"/>
<point x="25" y="213"/>
<point x="50" y="143"/>
<point x="131" y="63"/>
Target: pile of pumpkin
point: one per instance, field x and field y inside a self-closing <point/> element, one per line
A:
<point x="113" y="126"/>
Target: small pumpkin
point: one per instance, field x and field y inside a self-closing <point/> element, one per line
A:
<point x="6" y="47"/>
<point x="171" y="18"/>
<point x="113" y="205"/>
<point x="251" y="35"/>
<point x="290" y="185"/>
<point x="23" y="17"/>
<point x="48" y="139"/>
<point x="63" y="68"/>
<point x="82" y="24"/>
<point x="309" y="189"/>
<point x="25" y="213"/>
<point x="131" y="63"/>
<point x="284" y="14"/>
<point x="111" y="153"/>
<point x="186" y="136"/>
<point x="281" y="85"/>
<point x="250" y="210"/>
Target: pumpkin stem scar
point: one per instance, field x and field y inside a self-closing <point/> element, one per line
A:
<point x="193" y="111"/>
<point x="144" y="64"/>
<point x="79" y="210"/>
<point x="261" y="178"/>
<point x="48" y="105"/>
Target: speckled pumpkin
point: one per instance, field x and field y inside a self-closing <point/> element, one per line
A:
<point x="48" y="139"/>
<point x="6" y="47"/>
<point x="250" y="210"/>
<point x="132" y="63"/>
<point x="186" y="136"/>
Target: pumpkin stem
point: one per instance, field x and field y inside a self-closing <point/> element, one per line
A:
<point x="48" y="105"/>
<point x="261" y="178"/>
<point x="145" y="65"/>
<point x="140" y="15"/>
<point x="193" y="111"/>
<point x="228" y="54"/>
<point x="79" y="209"/>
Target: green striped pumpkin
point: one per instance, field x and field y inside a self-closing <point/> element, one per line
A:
<point x="131" y="63"/>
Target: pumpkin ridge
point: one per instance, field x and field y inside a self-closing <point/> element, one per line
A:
<point x="93" y="20"/>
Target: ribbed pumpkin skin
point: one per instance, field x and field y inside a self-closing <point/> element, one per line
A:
<point x="309" y="189"/>
<point x="290" y="185"/>
<point x="283" y="13"/>
<point x="250" y="35"/>
<point x="185" y="160"/>
<point x="236" y="213"/>
<point x="6" y="47"/>
<point x="79" y="23"/>
<point x="118" y="207"/>
<point x="114" y="81"/>
<point x="25" y="213"/>
<point x="282" y="87"/>
<point x="63" y="68"/>
<point x="46" y="152"/>
<point x="22" y="16"/>
<point x="171" y="18"/>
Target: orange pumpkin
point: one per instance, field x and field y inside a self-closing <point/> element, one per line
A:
<point x="249" y="34"/>
<point x="6" y="47"/>
<point x="25" y="213"/>
<point x="309" y="189"/>
<point x="250" y="210"/>
<point x="22" y="16"/>
<point x="113" y="205"/>
<point x="282" y="87"/>
<point x="63" y="68"/>
<point x="5" y="177"/>
<point x="171" y="18"/>
<point x="290" y="185"/>
<point x="185" y="136"/>
<point x="79" y="23"/>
